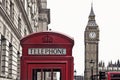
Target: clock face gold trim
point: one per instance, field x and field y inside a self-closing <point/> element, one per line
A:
<point x="92" y="35"/>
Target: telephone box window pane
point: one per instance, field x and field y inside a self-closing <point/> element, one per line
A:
<point x="58" y="76"/>
<point x="38" y="75"/>
<point x="46" y="74"/>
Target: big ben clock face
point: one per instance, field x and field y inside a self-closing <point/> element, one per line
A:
<point x="92" y="35"/>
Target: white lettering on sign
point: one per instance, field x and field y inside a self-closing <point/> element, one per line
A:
<point x="47" y="51"/>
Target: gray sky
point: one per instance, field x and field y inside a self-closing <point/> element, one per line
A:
<point x="71" y="16"/>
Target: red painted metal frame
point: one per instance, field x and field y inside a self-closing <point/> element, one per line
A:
<point x="47" y="40"/>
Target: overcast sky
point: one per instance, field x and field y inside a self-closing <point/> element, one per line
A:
<point x="71" y="16"/>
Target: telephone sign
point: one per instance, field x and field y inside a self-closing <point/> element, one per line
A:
<point x="47" y="51"/>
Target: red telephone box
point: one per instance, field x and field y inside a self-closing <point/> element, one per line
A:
<point x="47" y="56"/>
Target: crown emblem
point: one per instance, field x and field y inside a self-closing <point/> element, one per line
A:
<point x="47" y="39"/>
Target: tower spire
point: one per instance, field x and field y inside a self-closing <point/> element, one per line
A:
<point x="92" y="12"/>
<point x="91" y="21"/>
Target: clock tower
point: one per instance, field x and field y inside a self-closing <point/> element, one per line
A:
<point x="91" y="39"/>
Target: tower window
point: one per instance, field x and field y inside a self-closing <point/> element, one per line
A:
<point x="12" y="10"/>
<point x="19" y="24"/>
<point x="25" y="32"/>
<point x="4" y="3"/>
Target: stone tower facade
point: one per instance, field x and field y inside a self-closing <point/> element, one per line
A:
<point x="91" y="36"/>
